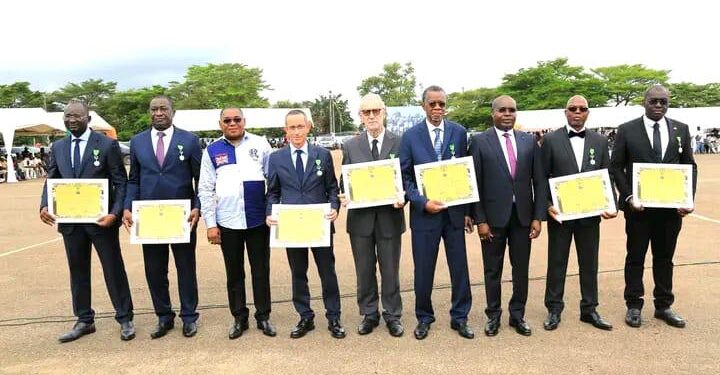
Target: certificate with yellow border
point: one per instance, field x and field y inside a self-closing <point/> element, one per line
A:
<point x="300" y="225"/>
<point x="663" y="185"/>
<point x="77" y="200"/>
<point x="160" y="221"/>
<point x="375" y="183"/>
<point x="581" y="195"/>
<point x="451" y="182"/>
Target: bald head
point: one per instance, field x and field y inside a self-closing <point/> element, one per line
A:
<point x="503" y="100"/>
<point x="576" y="100"/>
<point x="576" y="112"/>
<point x="504" y="112"/>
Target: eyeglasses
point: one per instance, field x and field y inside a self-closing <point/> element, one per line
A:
<point x="658" y="101"/>
<point x="575" y="109"/>
<point x="436" y="104"/>
<point x="367" y="112"/>
<point x="228" y="121"/>
<point x="507" y="110"/>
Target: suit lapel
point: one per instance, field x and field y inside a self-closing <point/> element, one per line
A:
<point x="646" y="139"/>
<point x="589" y="144"/>
<point x="447" y="138"/>
<point x="310" y="166"/>
<point x="425" y="138"/>
<point x="387" y="145"/>
<point x="287" y="163"/>
<point x="172" y="152"/>
<point x="62" y="159"/>
<point x="92" y="144"/>
<point x="365" y="146"/>
<point x="673" y="144"/>
<point x="495" y="145"/>
<point x="521" y="152"/>
<point x="567" y="146"/>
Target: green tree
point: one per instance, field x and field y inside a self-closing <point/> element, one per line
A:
<point x="690" y="95"/>
<point x="19" y="95"/>
<point x="395" y="85"/>
<point x="290" y="104"/>
<point x="320" y="110"/>
<point x="93" y="92"/>
<point x="472" y="108"/>
<point x="127" y="110"/>
<point x="625" y="84"/>
<point x="219" y="86"/>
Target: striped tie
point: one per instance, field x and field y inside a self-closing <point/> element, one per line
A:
<point x="437" y="144"/>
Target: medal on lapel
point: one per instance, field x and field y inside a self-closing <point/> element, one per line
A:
<point x="679" y="140"/>
<point x="592" y="156"/>
<point x="392" y="156"/>
<point x="318" y="167"/>
<point x="452" y="150"/>
<point x="180" y="150"/>
<point x="96" y="156"/>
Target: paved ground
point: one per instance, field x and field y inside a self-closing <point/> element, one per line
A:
<point x="35" y="309"/>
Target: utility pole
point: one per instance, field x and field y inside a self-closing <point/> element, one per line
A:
<point x="332" y="114"/>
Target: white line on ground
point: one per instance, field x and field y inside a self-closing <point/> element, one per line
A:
<point x="705" y="218"/>
<point x="29" y="247"/>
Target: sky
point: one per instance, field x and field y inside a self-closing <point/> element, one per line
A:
<point x="309" y="48"/>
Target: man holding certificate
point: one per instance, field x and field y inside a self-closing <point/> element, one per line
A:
<point x="433" y="140"/>
<point x="232" y="197"/>
<point x="566" y="151"/>
<point x="164" y="163"/>
<point x="513" y="190"/>
<point x="86" y="154"/>
<point x="375" y="231"/>
<point x="303" y="174"/>
<point x="652" y="138"/>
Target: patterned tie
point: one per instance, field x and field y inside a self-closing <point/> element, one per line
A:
<point x="511" y="154"/>
<point x="160" y="149"/>
<point x="299" y="165"/>
<point x="657" y="147"/>
<point x="76" y="157"/>
<point x="374" y="151"/>
<point x="437" y="144"/>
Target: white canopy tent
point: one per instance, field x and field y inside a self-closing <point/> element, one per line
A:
<point x="207" y="119"/>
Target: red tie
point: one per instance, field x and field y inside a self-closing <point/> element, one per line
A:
<point x="511" y="154"/>
<point x="160" y="149"/>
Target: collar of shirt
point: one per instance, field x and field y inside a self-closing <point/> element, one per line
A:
<point x="571" y="129"/>
<point x="242" y="140"/>
<point x="304" y="149"/>
<point x="649" y="124"/>
<point x="168" y="132"/>
<point x="84" y="136"/>
<point x="501" y="132"/>
<point x="379" y="138"/>
<point x="431" y="128"/>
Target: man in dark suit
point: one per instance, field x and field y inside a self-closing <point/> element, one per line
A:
<point x="164" y="163"/>
<point x="512" y="186"/>
<point x="652" y="138"/>
<point x="375" y="231"/>
<point x="301" y="173"/>
<point x="569" y="150"/>
<point x="430" y="141"/>
<point x="86" y="154"/>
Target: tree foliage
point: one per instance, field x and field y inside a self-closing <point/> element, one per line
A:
<point x="218" y="86"/>
<point x="472" y="108"/>
<point x="689" y="95"/>
<point x="19" y="95"/>
<point x="395" y="85"/>
<point x="320" y="109"/>
<point x="128" y="111"/>
<point x="625" y="84"/>
<point x="93" y="92"/>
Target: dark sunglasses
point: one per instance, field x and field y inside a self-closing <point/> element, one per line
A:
<point x="507" y="109"/>
<point x="438" y="104"/>
<point x="367" y="112"/>
<point x="658" y="101"/>
<point x="575" y="109"/>
<point x="228" y="121"/>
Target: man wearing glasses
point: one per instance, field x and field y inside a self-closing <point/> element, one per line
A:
<point x="375" y="231"/>
<point x="232" y="197"/>
<point x="569" y="150"/>
<point x="513" y="189"/>
<point x="652" y="138"/>
<point x="432" y="140"/>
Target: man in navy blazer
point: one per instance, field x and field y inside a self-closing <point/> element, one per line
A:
<point x="430" y="141"/>
<point x="164" y="163"/>
<point x="301" y="173"/>
<point x="86" y="154"/>
<point x="513" y="189"/>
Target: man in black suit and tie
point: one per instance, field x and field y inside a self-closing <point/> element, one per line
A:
<point x="569" y="150"/>
<point x="513" y="189"/>
<point x="86" y="154"/>
<point x="375" y="231"/>
<point x="652" y="138"/>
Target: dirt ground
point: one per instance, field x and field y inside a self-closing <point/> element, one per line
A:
<point x="35" y="308"/>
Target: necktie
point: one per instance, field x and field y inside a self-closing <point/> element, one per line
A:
<point x="160" y="149"/>
<point x="76" y="157"/>
<point x="299" y="165"/>
<point x="657" y="147"/>
<point x="437" y="144"/>
<point x="374" y="151"/>
<point x="576" y="134"/>
<point x="511" y="154"/>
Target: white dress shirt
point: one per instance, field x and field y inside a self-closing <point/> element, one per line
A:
<point x="166" y="139"/>
<point x="664" y="136"/>
<point x="379" y="138"/>
<point x="84" y="137"/>
<point x="501" y="137"/>
<point x="578" y="145"/>
<point x="431" y="131"/>
<point x="303" y="155"/>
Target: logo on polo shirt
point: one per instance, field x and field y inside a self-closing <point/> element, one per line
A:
<point x="254" y="154"/>
<point x="221" y="159"/>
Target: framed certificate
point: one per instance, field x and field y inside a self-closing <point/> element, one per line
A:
<point x="77" y="200"/>
<point x="160" y="221"/>
<point x="581" y="195"/>
<point x="300" y="225"/>
<point x="662" y="185"/>
<point x="375" y="183"/>
<point x="451" y="182"/>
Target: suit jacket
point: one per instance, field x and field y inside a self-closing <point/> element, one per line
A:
<point x="632" y="145"/>
<point x="416" y="148"/>
<point x="496" y="187"/>
<point x="172" y="180"/>
<point x="283" y="184"/>
<point x="559" y="159"/>
<point x="111" y="168"/>
<point x="360" y="221"/>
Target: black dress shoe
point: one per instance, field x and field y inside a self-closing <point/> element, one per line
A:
<point x="492" y="326"/>
<point x="421" y="331"/>
<point x="304" y="326"/>
<point x="521" y="327"/>
<point x="395" y="328"/>
<point x="189" y="329"/>
<point x="162" y="329"/>
<point x="670" y="317"/>
<point x="79" y="330"/>
<point x="552" y="321"/>
<point x="127" y="330"/>
<point x="463" y="330"/>
<point x="632" y="318"/>
<point x="367" y="325"/>
<point x="237" y="329"/>
<point x="596" y="320"/>
<point x="266" y="327"/>
<point x="336" y="329"/>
